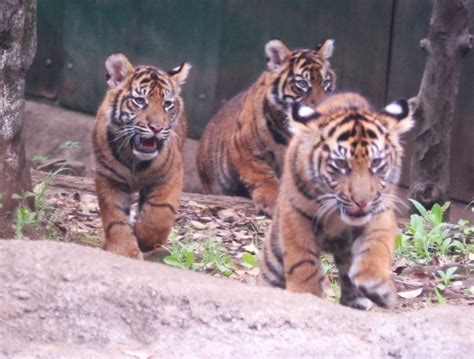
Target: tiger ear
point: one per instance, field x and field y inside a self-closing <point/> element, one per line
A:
<point x="180" y="73"/>
<point x="277" y="54"/>
<point x="400" y="111"/>
<point x="325" y="49"/>
<point x="118" y="68"/>
<point x="301" y="115"/>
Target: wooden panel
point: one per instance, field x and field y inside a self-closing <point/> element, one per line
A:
<point x="43" y="77"/>
<point x="361" y="30"/>
<point x="163" y="33"/>
<point x="406" y="70"/>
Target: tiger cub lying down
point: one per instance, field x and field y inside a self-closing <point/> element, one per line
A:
<point x="137" y="138"/>
<point x="336" y="195"/>
<point x="242" y="148"/>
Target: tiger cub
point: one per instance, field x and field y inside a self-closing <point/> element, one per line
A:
<point x="137" y="138"/>
<point x="336" y="195"/>
<point x="243" y="145"/>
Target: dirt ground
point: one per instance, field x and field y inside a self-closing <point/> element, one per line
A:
<point x="236" y="229"/>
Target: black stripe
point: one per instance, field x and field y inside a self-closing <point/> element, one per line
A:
<point x="115" y="223"/>
<point x="271" y="268"/>
<point x="276" y="122"/>
<point x="114" y="147"/>
<point x="125" y="210"/>
<point x="275" y="247"/>
<point x="311" y="276"/>
<point x="143" y="165"/>
<point x="103" y="161"/>
<point x="301" y="263"/>
<point x="272" y="282"/>
<point x="162" y="205"/>
<point x="124" y="187"/>
<point x="299" y="182"/>
<point x="114" y="106"/>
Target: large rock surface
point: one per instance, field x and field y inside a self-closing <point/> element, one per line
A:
<point x="65" y="300"/>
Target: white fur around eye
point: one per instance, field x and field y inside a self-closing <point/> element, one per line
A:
<point x="394" y="109"/>
<point x="305" y="111"/>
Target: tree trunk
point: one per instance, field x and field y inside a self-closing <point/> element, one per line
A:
<point x="447" y="43"/>
<point x="17" y="49"/>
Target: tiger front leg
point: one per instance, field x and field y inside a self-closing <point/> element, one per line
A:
<point x="302" y="265"/>
<point x="260" y="180"/>
<point x="351" y="295"/>
<point x="157" y="211"/>
<point x="372" y="259"/>
<point x="264" y="196"/>
<point x="114" y="203"/>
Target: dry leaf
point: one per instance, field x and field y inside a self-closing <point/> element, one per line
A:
<point x="411" y="293"/>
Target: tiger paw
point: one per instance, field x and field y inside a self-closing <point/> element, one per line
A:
<point x="264" y="206"/>
<point x="127" y="250"/>
<point x="361" y="303"/>
<point x="379" y="290"/>
<point x="264" y="202"/>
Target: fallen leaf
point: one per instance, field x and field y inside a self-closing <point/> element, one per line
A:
<point x="197" y="225"/>
<point x="411" y="293"/>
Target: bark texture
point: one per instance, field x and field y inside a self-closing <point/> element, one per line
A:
<point x="17" y="49"/>
<point x="447" y="43"/>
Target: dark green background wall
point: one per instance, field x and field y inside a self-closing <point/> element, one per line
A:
<point x="377" y="52"/>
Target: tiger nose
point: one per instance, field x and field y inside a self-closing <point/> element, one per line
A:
<point x="155" y="128"/>
<point x="361" y="203"/>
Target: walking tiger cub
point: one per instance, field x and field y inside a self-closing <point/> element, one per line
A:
<point x="137" y="139"/>
<point x="243" y="145"/>
<point x="336" y="195"/>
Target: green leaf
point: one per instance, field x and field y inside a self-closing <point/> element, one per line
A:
<point x="437" y="214"/>
<point x="250" y="259"/>
<point x="440" y="297"/>
<point x="16" y="196"/>
<point x="450" y="271"/>
<point x="174" y="262"/>
<point x="189" y="258"/>
<point x="420" y="208"/>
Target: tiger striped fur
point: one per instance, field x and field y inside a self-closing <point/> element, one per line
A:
<point x="336" y="195"/>
<point x="137" y="138"/>
<point x="243" y="145"/>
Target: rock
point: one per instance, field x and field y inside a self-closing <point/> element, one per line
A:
<point x="115" y="307"/>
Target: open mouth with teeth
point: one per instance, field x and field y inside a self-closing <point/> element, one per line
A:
<point x="145" y="144"/>
<point x="146" y="147"/>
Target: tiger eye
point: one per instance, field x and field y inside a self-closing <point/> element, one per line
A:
<point x="376" y="162"/>
<point x="342" y="164"/>
<point x="139" y="101"/>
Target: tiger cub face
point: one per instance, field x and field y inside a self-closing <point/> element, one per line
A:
<point x="302" y="75"/>
<point x="145" y="104"/>
<point x="351" y="154"/>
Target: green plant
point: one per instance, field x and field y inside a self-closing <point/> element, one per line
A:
<point x="38" y="159"/>
<point x="427" y="236"/>
<point x="446" y="277"/>
<point x="208" y="256"/>
<point x="27" y="217"/>
<point x="214" y="258"/>
<point x="181" y="253"/>
<point x="439" y="296"/>
<point x="250" y="260"/>
<point x="24" y="218"/>
<point x="69" y="145"/>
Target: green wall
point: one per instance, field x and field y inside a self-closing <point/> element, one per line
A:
<point x="377" y="52"/>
